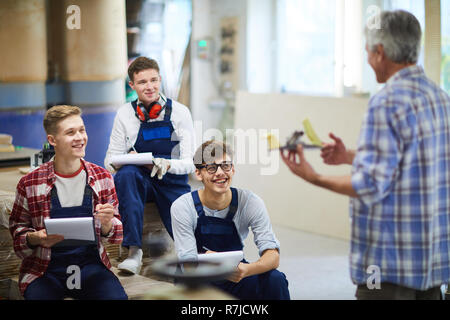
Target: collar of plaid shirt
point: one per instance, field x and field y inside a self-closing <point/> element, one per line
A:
<point x="408" y="72"/>
<point x="51" y="176"/>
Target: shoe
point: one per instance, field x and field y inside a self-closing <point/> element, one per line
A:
<point x="132" y="264"/>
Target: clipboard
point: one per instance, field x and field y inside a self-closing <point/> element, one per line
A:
<point x="132" y="158"/>
<point x="76" y="231"/>
<point x="227" y="257"/>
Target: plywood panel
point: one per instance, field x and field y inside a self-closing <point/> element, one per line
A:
<point x="290" y="201"/>
<point x="433" y="53"/>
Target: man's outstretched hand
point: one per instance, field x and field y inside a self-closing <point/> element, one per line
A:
<point x="301" y="168"/>
<point x="335" y="153"/>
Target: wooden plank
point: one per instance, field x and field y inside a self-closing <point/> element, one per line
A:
<point x="21" y="156"/>
<point x="136" y="286"/>
<point x="433" y="52"/>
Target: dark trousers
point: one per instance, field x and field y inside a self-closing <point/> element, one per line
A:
<point x="271" y="285"/>
<point x="389" y="291"/>
<point x="97" y="283"/>
<point x="134" y="189"/>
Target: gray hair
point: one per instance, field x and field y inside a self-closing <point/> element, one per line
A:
<point x="399" y="32"/>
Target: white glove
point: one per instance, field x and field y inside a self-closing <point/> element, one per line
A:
<point x="160" y="167"/>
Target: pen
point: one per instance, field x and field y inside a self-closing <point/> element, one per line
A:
<point x="132" y="146"/>
<point x="96" y="220"/>
<point x="111" y="202"/>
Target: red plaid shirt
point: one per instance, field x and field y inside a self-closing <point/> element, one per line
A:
<point x="32" y="206"/>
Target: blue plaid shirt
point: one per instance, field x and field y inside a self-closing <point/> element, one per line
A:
<point x="401" y="173"/>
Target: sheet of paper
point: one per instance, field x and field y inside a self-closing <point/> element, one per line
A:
<point x="72" y="228"/>
<point x="132" y="158"/>
<point x="230" y="257"/>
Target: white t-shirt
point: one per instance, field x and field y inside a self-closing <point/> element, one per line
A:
<point x="70" y="188"/>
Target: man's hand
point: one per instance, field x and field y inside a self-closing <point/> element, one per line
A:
<point x="269" y="260"/>
<point x="160" y="167"/>
<point x="336" y="153"/>
<point x="302" y="169"/>
<point x="40" y="238"/>
<point x="242" y="271"/>
<point x="104" y="213"/>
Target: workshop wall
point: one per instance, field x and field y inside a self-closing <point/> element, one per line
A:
<point x="290" y="201"/>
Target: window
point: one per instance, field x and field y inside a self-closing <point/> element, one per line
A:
<point x="306" y="33"/>
<point x="321" y="45"/>
<point x="417" y="8"/>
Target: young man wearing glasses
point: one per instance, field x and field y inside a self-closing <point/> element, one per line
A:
<point x="217" y="218"/>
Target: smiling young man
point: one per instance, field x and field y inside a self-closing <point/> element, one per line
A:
<point x="65" y="187"/>
<point x="217" y="218"/>
<point x="156" y="124"/>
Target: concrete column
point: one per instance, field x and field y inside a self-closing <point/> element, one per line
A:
<point x="23" y="53"/>
<point x="88" y="50"/>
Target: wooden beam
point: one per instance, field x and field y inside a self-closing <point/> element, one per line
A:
<point x="433" y="51"/>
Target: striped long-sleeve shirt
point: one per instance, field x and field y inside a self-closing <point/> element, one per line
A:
<point x="32" y="206"/>
<point x="401" y="173"/>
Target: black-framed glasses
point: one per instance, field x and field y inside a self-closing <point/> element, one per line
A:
<point x="212" y="167"/>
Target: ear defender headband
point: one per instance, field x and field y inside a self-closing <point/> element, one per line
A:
<point x="143" y="115"/>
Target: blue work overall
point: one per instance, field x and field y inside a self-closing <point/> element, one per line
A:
<point x="135" y="187"/>
<point x="217" y="234"/>
<point x="96" y="281"/>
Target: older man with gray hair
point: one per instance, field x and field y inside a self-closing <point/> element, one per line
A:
<point x="400" y="180"/>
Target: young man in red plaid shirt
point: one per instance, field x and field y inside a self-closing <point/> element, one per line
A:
<point x="65" y="187"/>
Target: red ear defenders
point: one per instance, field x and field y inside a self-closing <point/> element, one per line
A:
<point x="144" y="115"/>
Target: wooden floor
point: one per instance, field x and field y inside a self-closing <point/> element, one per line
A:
<point x="137" y="286"/>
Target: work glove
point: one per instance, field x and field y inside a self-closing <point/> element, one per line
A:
<point x="160" y="167"/>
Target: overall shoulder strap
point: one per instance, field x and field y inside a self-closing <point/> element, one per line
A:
<point x="55" y="204"/>
<point x="233" y="204"/>
<point x="134" y="105"/>
<point x="197" y="203"/>
<point x="168" y="109"/>
<point x="87" y="198"/>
